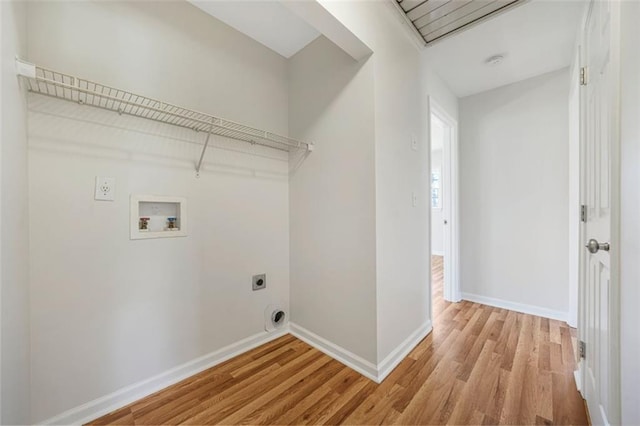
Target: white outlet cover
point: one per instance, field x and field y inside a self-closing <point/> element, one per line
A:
<point x="105" y="188"/>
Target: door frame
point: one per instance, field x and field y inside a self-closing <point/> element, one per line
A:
<point x="575" y="184"/>
<point x="597" y="414"/>
<point x="450" y="202"/>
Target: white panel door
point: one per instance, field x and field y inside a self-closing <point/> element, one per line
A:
<point x="599" y="302"/>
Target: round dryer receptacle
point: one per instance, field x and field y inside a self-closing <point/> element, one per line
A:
<point x="278" y="318"/>
<point x="275" y="317"/>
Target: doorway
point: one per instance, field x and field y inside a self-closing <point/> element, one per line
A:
<point x="443" y="178"/>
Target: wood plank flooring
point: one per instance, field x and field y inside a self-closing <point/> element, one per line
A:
<point x="480" y="365"/>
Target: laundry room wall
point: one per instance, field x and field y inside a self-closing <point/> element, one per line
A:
<point x="332" y="199"/>
<point x="109" y="312"/>
<point x="14" y="226"/>
<point x="403" y="79"/>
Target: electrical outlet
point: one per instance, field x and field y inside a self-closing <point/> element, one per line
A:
<point x="258" y="282"/>
<point x="414" y="142"/>
<point x="105" y="188"/>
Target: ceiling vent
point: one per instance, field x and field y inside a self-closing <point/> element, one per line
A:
<point x="436" y="19"/>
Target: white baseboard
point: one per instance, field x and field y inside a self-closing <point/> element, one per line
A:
<point x="437" y="253"/>
<point x="518" y="307"/>
<point x="122" y="397"/>
<point x="377" y="373"/>
<point x="387" y="365"/>
<point x="351" y="360"/>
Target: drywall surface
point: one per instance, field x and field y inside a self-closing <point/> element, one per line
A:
<point x="332" y="197"/>
<point x="630" y="206"/>
<point x="107" y="311"/>
<point x="437" y="224"/>
<point x="14" y="231"/>
<point x="434" y="87"/>
<point x="401" y="173"/>
<point x="514" y="192"/>
<point x="402" y="84"/>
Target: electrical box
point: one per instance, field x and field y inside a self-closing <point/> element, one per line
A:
<point x="156" y="216"/>
<point x="105" y="188"/>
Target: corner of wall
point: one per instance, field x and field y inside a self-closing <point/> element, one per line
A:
<point x="630" y="205"/>
<point x="332" y="198"/>
<point x="14" y="235"/>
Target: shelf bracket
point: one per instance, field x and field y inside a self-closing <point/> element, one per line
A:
<point x="204" y="149"/>
<point x="25" y="69"/>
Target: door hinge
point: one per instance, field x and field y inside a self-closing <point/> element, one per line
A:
<point x="582" y="349"/>
<point x="583" y="213"/>
<point x="583" y="76"/>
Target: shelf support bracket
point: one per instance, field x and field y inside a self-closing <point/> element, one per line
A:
<point x="25" y="69"/>
<point x="204" y="149"/>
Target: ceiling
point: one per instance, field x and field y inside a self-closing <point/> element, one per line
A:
<point x="436" y="19"/>
<point x="534" y="38"/>
<point x="268" y="22"/>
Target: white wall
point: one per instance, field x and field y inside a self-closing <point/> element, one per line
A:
<point x="514" y="193"/>
<point x="437" y="224"/>
<point x="359" y="249"/>
<point x="402" y="245"/>
<point x="402" y="83"/>
<point x="14" y="231"/>
<point x="107" y="311"/>
<point x="434" y="87"/>
<point x="630" y="206"/>
<point x="332" y="198"/>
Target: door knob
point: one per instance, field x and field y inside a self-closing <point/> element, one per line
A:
<point x="593" y="246"/>
<point x="445" y="222"/>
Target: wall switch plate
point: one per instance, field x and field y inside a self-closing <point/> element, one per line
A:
<point x="414" y="199"/>
<point x="259" y="282"/>
<point x="414" y="142"/>
<point x="105" y="188"/>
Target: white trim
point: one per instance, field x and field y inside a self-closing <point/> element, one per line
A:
<point x="377" y="373"/>
<point x="437" y="253"/>
<point x="387" y="365"/>
<point x="452" y="290"/>
<point x="122" y="397"/>
<point x="582" y="193"/>
<point x="351" y="360"/>
<point x="575" y="248"/>
<point x="518" y="307"/>
<point x="603" y="415"/>
<point x="409" y="29"/>
<point x="578" y="377"/>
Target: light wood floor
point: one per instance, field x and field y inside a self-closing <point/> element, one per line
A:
<point x="480" y="365"/>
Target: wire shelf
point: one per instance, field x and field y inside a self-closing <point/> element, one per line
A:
<point x="85" y="92"/>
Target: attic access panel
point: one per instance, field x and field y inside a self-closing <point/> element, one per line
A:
<point x="436" y="19"/>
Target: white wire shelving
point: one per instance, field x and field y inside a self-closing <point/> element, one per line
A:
<point x="85" y="92"/>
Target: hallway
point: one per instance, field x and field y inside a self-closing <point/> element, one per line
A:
<point x="526" y="378"/>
